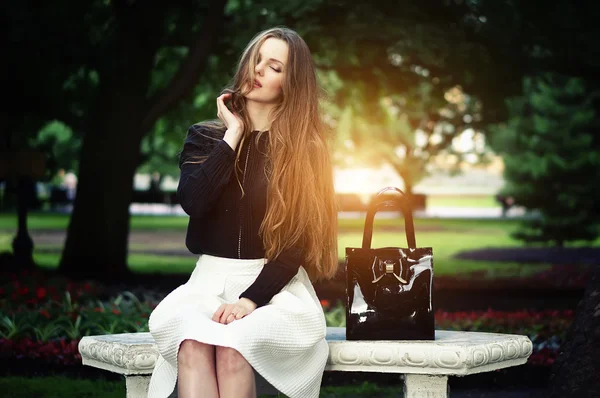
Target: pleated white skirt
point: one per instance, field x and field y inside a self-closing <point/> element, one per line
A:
<point x="284" y="340"/>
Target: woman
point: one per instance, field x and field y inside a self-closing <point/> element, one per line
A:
<point x="258" y="187"/>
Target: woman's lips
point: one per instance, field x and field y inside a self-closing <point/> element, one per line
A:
<point x="257" y="84"/>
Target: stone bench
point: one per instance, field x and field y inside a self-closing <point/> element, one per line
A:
<point x="426" y="365"/>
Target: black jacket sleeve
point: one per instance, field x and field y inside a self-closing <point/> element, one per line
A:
<point x="201" y="184"/>
<point x="274" y="276"/>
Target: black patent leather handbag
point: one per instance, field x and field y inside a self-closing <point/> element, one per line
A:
<point x="389" y="289"/>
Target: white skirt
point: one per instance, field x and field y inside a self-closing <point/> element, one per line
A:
<point x="284" y="341"/>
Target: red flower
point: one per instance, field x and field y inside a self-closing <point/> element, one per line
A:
<point x="23" y="291"/>
<point x="325" y="303"/>
<point x="116" y="311"/>
<point x="45" y="314"/>
<point x="41" y="292"/>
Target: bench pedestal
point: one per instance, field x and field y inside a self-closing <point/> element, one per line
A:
<point x="416" y="386"/>
<point x="137" y="386"/>
<point x="426" y="365"/>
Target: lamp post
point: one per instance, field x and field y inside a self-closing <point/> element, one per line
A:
<point x="24" y="168"/>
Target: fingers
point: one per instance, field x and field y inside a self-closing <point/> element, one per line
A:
<point x="230" y="318"/>
<point x="220" y="106"/>
<point x="227" y="116"/>
<point x="228" y="313"/>
<point x="225" y="316"/>
<point x="221" y="102"/>
<point x="219" y="312"/>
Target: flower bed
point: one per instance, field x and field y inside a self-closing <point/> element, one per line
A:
<point x="44" y="318"/>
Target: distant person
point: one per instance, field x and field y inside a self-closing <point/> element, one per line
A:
<point x="155" y="182"/>
<point x="258" y="186"/>
<point x="506" y="202"/>
<point x="154" y="191"/>
<point x="70" y="184"/>
<point x="58" y="190"/>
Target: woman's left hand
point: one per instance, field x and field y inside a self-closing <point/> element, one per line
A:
<point x="228" y="313"/>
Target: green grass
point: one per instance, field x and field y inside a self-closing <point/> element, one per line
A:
<point x="45" y="221"/>
<point x="59" y="221"/>
<point x="446" y="244"/>
<point x="480" y="201"/>
<point x="446" y="236"/>
<point x="60" y="386"/>
<point x="138" y="263"/>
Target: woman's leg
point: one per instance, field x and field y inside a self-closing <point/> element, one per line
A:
<point x="196" y="370"/>
<point x="234" y="374"/>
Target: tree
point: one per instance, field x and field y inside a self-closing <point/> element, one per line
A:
<point x="124" y="108"/>
<point x="413" y="131"/>
<point x="396" y="76"/>
<point x="551" y="150"/>
<point x="575" y="372"/>
<point x="556" y="40"/>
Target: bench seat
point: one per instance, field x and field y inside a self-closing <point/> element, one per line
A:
<point x="425" y="365"/>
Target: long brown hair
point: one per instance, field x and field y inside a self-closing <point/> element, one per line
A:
<point x="301" y="208"/>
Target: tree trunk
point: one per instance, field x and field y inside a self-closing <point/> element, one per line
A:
<point x="97" y="237"/>
<point x="408" y="186"/>
<point x="577" y="368"/>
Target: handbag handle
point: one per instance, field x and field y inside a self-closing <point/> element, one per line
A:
<point x="398" y="203"/>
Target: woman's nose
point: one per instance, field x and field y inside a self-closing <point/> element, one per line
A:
<point x="258" y="69"/>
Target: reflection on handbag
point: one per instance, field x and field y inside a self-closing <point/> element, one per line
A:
<point x="389" y="289"/>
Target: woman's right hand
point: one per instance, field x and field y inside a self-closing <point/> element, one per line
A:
<point x="231" y="120"/>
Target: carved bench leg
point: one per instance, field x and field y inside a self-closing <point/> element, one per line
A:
<point x="426" y="386"/>
<point x="137" y="386"/>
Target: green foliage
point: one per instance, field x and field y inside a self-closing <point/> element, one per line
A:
<point x="60" y="387"/>
<point x="9" y="328"/>
<point x="334" y="316"/>
<point x="49" y="319"/>
<point x="551" y="150"/>
<point x="365" y="389"/>
<point x="61" y="144"/>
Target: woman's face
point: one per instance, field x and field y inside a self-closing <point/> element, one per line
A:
<point x="269" y="72"/>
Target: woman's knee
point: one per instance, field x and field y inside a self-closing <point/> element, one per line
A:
<point x="192" y="351"/>
<point x="229" y="360"/>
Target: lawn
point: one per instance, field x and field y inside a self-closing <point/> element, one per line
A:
<point x="54" y="221"/>
<point x="446" y="236"/>
<point x="480" y="201"/>
<point x="60" y="386"/>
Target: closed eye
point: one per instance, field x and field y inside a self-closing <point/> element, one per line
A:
<point x="275" y="69"/>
